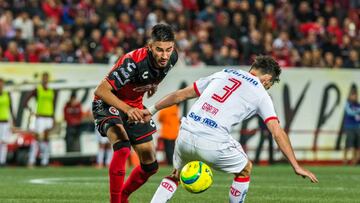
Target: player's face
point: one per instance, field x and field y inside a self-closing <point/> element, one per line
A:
<point x="45" y="79"/>
<point x="161" y="52"/>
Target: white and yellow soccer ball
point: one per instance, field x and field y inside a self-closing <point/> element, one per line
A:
<point x="196" y="177"/>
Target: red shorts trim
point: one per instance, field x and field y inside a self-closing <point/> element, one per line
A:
<point x="147" y="134"/>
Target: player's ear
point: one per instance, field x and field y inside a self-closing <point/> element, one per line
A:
<point x="265" y="79"/>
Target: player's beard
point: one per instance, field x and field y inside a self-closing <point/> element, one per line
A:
<point x="162" y="63"/>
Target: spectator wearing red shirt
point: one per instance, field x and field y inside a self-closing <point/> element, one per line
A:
<point x="109" y="41"/>
<point x="73" y="117"/>
<point x="52" y="10"/>
<point x="12" y="54"/>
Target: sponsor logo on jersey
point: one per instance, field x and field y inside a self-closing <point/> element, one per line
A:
<point x="118" y="78"/>
<point x="145" y="75"/>
<point x="145" y="88"/>
<point x="114" y="111"/>
<point x="124" y="73"/>
<point x="245" y="77"/>
<point x="205" y="121"/>
<point x="209" y="108"/>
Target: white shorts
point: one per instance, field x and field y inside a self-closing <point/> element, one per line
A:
<point x="224" y="156"/>
<point x="42" y="124"/>
<point x="4" y="132"/>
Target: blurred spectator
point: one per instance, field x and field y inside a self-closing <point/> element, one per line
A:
<point x="44" y="123"/>
<point x="329" y="60"/>
<point x="352" y="127"/>
<point x="73" y="117"/>
<point x="12" y="53"/>
<point x="6" y="121"/>
<point x="353" y="61"/>
<point x="170" y="122"/>
<point x="25" y="24"/>
<point x="207" y="55"/>
<point x="253" y="47"/>
<point x="248" y="26"/>
<point x="317" y="59"/>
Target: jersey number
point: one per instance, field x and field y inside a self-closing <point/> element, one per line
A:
<point x="228" y="90"/>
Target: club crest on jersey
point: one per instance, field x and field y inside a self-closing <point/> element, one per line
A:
<point x="114" y="111"/>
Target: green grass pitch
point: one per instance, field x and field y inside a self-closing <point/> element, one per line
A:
<point x="268" y="184"/>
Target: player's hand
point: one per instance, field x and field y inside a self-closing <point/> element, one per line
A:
<point x="147" y="115"/>
<point x="306" y="173"/>
<point x="135" y="115"/>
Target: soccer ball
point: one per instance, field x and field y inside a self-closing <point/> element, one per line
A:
<point x="196" y="177"/>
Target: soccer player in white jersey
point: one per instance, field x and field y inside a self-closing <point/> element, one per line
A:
<point x="225" y="99"/>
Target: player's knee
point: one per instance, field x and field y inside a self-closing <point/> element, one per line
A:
<point x="150" y="168"/>
<point x="247" y="170"/>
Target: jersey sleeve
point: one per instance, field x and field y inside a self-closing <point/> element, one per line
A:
<point x="201" y="84"/>
<point x="122" y="73"/>
<point x="266" y="109"/>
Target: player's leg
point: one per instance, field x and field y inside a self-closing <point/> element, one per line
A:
<point x="240" y="184"/>
<point x="47" y="125"/>
<point x="121" y="146"/>
<point x="230" y="158"/>
<point x="4" y="134"/>
<point x="183" y="150"/>
<point x="140" y="174"/>
<point x="108" y="156"/>
<point x="167" y="188"/>
<point x="38" y="129"/>
<point x="110" y="124"/>
<point x="349" y="145"/>
<point x="100" y="156"/>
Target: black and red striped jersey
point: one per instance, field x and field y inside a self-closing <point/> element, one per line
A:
<point x="135" y="73"/>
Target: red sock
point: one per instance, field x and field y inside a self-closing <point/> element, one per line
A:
<point x="136" y="179"/>
<point x="117" y="173"/>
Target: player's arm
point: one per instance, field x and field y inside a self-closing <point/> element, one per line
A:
<point x="33" y="93"/>
<point x="104" y="91"/>
<point x="117" y="79"/>
<point x="285" y="146"/>
<point x="172" y="98"/>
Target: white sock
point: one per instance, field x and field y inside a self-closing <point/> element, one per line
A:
<point x="239" y="189"/>
<point x="100" y="157"/>
<point x="165" y="190"/>
<point x="3" y="153"/>
<point x="109" y="153"/>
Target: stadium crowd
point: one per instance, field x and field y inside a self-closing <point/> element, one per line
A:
<point x="315" y="33"/>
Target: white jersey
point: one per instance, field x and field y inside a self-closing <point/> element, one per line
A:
<point x="225" y="99"/>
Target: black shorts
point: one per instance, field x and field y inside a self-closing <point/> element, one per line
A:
<point x="352" y="138"/>
<point x="106" y="116"/>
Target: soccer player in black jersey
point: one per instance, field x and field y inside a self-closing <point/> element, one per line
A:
<point x="118" y="103"/>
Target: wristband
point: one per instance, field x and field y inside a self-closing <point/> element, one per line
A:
<point x="152" y="109"/>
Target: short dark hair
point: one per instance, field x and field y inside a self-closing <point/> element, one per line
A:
<point x="267" y="65"/>
<point x="162" y="33"/>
